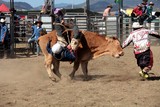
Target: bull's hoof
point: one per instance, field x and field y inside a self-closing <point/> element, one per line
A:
<point x="86" y="78"/>
<point x="54" y="79"/>
<point x="71" y="76"/>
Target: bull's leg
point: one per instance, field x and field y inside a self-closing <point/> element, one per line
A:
<point x="75" y="68"/>
<point x="48" y="62"/>
<point x="84" y="66"/>
<point x="56" y="68"/>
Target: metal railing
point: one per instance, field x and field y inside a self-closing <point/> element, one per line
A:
<point x="112" y="26"/>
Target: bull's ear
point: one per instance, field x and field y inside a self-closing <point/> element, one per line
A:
<point x="115" y="37"/>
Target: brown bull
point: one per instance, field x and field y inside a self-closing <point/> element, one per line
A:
<point x="92" y="46"/>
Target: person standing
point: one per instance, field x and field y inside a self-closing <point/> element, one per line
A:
<point x="4" y="36"/>
<point x="107" y="12"/>
<point x="140" y="38"/>
<point x="37" y="28"/>
<point x="150" y="9"/>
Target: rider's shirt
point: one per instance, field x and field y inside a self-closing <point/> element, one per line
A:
<point x="36" y="32"/>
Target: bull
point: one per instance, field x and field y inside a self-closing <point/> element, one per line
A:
<point x="92" y="46"/>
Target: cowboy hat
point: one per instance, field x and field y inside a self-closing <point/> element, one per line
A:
<point x="151" y="3"/>
<point x="2" y="20"/>
<point x="109" y="6"/>
<point x="57" y="10"/>
<point x="39" y="22"/>
<point x="136" y="25"/>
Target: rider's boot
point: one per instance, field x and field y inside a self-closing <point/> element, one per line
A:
<point x="144" y="73"/>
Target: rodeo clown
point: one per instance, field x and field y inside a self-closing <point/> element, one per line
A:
<point x="62" y="43"/>
<point x="140" y="38"/>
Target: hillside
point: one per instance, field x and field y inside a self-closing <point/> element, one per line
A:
<point x="100" y="5"/>
<point x="95" y="5"/>
<point x="18" y="5"/>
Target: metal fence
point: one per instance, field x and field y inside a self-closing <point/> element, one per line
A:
<point x="112" y="26"/>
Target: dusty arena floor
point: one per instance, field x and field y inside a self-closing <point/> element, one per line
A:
<point x="114" y="83"/>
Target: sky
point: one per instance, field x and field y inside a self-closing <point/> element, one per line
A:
<point x="36" y="3"/>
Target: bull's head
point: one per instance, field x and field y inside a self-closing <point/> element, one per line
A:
<point x="114" y="47"/>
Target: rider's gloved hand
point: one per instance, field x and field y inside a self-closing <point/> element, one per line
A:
<point x="69" y="47"/>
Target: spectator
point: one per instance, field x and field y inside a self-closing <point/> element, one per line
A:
<point x="144" y="11"/>
<point x="137" y="12"/>
<point x="107" y="12"/>
<point x="4" y="35"/>
<point x="142" y="51"/>
<point x="2" y="15"/>
<point x="144" y="6"/>
<point x="37" y="28"/>
<point x="149" y="12"/>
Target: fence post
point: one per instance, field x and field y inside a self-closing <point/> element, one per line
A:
<point x="121" y="20"/>
<point x="121" y="28"/>
<point x="106" y="26"/>
<point x="118" y="27"/>
<point x="12" y="27"/>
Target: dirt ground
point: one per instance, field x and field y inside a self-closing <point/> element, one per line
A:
<point x="114" y="83"/>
